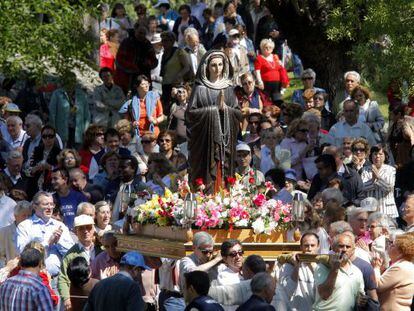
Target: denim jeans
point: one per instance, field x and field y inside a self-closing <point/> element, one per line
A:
<point x="168" y="303"/>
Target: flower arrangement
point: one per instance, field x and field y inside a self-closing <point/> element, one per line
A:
<point x="239" y="206"/>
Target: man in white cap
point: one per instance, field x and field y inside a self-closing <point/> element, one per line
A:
<point x="85" y="229"/>
<point x="16" y="136"/>
<point x="250" y="176"/>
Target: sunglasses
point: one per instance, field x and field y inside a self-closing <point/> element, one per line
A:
<point x="206" y="251"/>
<point x="234" y="254"/>
<point x="48" y="136"/>
<point x="358" y="149"/>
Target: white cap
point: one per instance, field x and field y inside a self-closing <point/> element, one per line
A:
<point x="10" y="107"/>
<point x="233" y="32"/>
<point x="243" y="147"/>
<point x="161" y="2"/>
<point x="83" y="220"/>
<point x="156" y="38"/>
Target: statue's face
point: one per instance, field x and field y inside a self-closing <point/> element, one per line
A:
<point x="215" y="67"/>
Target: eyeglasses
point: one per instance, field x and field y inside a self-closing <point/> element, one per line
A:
<point x="234" y="254"/>
<point x="206" y="251"/>
<point x="303" y="130"/>
<point x="358" y="149"/>
<point x="48" y="136"/>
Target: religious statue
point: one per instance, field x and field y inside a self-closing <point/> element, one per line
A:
<point x="213" y="121"/>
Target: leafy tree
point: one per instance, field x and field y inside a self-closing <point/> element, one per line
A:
<point x="375" y="37"/>
<point x="42" y="36"/>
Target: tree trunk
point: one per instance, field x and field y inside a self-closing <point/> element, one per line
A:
<point x="305" y="33"/>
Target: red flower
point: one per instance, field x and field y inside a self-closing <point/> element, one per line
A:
<point x="231" y="180"/>
<point x="259" y="200"/>
<point x="251" y="180"/>
<point x="199" y="181"/>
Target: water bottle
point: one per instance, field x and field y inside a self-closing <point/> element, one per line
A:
<point x="298" y="207"/>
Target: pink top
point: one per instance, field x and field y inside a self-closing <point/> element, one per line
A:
<point x="106" y="58"/>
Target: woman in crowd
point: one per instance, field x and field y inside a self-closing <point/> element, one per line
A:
<point x="396" y="285"/>
<point x="119" y="20"/>
<point x="186" y="20"/>
<point x="319" y="102"/>
<point x="181" y="93"/>
<point x="145" y="108"/>
<point x="369" y="112"/>
<point x="149" y="145"/>
<point x="271" y="154"/>
<point x="379" y="181"/>
<point x="401" y="135"/>
<point x="229" y="11"/>
<point x="93" y="142"/>
<point x="175" y="68"/>
<point x="308" y="79"/>
<point x="102" y="218"/>
<point x="229" y="272"/>
<point x="296" y="142"/>
<point x="70" y="158"/>
<point x="44" y="159"/>
<point x="290" y="112"/>
<point x="167" y="141"/>
<point x="81" y="283"/>
<point x="108" y="50"/>
<point x="360" y="151"/>
<point x="127" y="138"/>
<point x="108" y="178"/>
<point x="161" y="174"/>
<point x="270" y="74"/>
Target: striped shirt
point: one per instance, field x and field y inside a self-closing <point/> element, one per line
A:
<point x="25" y="291"/>
<point x="382" y="189"/>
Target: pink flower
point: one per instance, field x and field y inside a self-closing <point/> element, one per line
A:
<point x="286" y="219"/>
<point x="259" y="200"/>
<point x="276" y="216"/>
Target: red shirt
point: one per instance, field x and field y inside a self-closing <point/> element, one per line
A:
<point x="106" y="58"/>
<point x="271" y="71"/>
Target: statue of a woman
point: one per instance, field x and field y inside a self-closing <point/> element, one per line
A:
<point x="213" y="120"/>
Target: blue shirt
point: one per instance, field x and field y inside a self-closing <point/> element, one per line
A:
<point x="69" y="205"/>
<point x="25" y="291"/>
<point x="36" y="229"/>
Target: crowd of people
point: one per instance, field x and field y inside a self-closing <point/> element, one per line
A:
<point x="72" y="164"/>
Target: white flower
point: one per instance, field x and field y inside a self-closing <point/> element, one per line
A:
<point x="258" y="226"/>
<point x="242" y="223"/>
<point x="226" y="201"/>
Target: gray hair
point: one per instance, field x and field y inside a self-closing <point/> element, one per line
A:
<point x="353" y="212"/>
<point x="35" y="119"/>
<point x="339" y="227"/>
<point x="382" y="220"/>
<point x="266" y="42"/>
<point x="308" y="72"/>
<point x="14" y="154"/>
<point x="189" y="32"/>
<point x="332" y="194"/>
<point x="338" y="236"/>
<point x="354" y="73"/>
<point x="22" y="206"/>
<point x="82" y="206"/>
<point x="101" y="204"/>
<point x="202" y="238"/>
<point x="16" y="119"/>
<point x="260" y="282"/>
<point x="311" y="118"/>
<point x="40" y="194"/>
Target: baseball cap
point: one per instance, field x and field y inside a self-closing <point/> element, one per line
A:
<point x="83" y="220"/>
<point x="11" y="107"/>
<point x="243" y="147"/>
<point x="134" y="259"/>
<point x="233" y="32"/>
<point x="290" y="174"/>
<point x="161" y="2"/>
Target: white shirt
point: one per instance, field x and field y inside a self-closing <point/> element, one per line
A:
<point x="6" y="210"/>
<point x="342" y="129"/>
<point x="19" y="141"/>
<point x="36" y="229"/>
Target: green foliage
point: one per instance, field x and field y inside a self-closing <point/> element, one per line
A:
<point x="42" y="36"/>
<point x="381" y="33"/>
